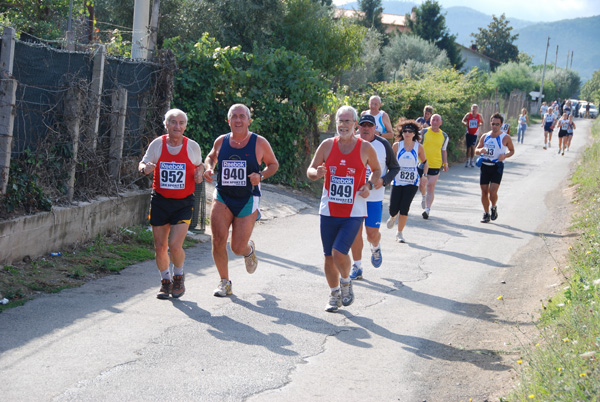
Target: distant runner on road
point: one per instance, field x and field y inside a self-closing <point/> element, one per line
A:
<point x="434" y="142"/>
<point x="493" y="147"/>
<point x="408" y="151"/>
<point x="473" y="120"/>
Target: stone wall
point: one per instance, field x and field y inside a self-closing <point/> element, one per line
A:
<point x="47" y="232"/>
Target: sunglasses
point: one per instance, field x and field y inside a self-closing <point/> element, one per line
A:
<point x="406" y="130"/>
<point x="495" y="124"/>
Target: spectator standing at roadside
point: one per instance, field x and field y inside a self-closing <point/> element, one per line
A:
<point x="523" y="122"/>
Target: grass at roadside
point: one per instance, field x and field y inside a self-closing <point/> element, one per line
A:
<point x="563" y="365"/>
<point x="105" y="255"/>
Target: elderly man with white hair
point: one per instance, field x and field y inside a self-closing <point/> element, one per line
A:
<point x="176" y="162"/>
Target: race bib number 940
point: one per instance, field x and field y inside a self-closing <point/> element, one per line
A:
<point x="233" y="173"/>
<point x="341" y="190"/>
<point x="172" y="175"/>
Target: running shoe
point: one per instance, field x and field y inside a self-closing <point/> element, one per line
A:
<point x="224" y="288"/>
<point x="356" y="272"/>
<point x="391" y="222"/>
<point x="165" y="289"/>
<point x="486" y="218"/>
<point x="472" y="164"/>
<point x="467" y="163"/>
<point x="424" y="202"/>
<point x="559" y="150"/>
<point x="250" y="260"/>
<point x="494" y="214"/>
<point x="178" y="286"/>
<point x="347" y="294"/>
<point x="400" y="238"/>
<point x="376" y="258"/>
<point x="545" y="145"/>
<point x="426" y="213"/>
<point x="335" y="302"/>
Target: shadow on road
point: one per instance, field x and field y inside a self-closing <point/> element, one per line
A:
<point x="485" y="359"/>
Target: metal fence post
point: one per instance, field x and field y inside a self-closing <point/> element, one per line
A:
<point x="198" y="224"/>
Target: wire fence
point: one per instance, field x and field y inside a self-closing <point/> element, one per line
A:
<point x="45" y="77"/>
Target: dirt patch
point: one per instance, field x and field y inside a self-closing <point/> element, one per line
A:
<point x="76" y="265"/>
<point x="521" y="291"/>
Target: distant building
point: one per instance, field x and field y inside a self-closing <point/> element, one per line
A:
<point x="391" y="22"/>
<point x="475" y="59"/>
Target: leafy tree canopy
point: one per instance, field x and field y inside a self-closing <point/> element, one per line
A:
<point x="591" y="89"/>
<point x="410" y="55"/>
<point x="428" y="22"/>
<point x="372" y="10"/>
<point x="42" y="19"/>
<point x="513" y="75"/>
<point x="496" y="41"/>
<point x="308" y="29"/>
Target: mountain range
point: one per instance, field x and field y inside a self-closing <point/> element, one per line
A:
<point x="575" y="35"/>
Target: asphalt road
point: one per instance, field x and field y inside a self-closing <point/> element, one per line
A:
<point x="407" y="337"/>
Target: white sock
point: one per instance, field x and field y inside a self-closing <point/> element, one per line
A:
<point x="166" y="274"/>
<point x="358" y="263"/>
<point x="375" y="248"/>
<point x="335" y="289"/>
<point x="177" y="270"/>
<point x="344" y="280"/>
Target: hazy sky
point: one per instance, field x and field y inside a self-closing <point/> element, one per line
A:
<point x="529" y="10"/>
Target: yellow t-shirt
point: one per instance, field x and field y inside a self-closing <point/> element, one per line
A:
<point x="433" y="145"/>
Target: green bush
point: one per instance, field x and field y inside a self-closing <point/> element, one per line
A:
<point x="23" y="192"/>
<point x="281" y="88"/>
<point x="448" y="91"/>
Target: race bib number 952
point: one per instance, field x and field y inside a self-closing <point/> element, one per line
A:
<point x="172" y="175"/>
<point x="341" y="190"/>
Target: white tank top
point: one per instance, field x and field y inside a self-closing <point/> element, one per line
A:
<point x="495" y="147"/>
<point x="408" y="161"/>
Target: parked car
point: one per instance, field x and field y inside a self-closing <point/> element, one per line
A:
<point x="593" y="110"/>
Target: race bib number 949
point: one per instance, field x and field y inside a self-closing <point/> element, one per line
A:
<point x="172" y="175"/>
<point x="341" y="190"/>
<point x="233" y="173"/>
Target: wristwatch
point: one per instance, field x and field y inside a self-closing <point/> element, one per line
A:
<point x="142" y="171"/>
<point x="261" y="176"/>
<point x="370" y="184"/>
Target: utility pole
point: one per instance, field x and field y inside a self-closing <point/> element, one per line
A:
<point x="139" y="40"/>
<point x="556" y="58"/>
<point x="571" y="59"/>
<point x="543" y="74"/>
